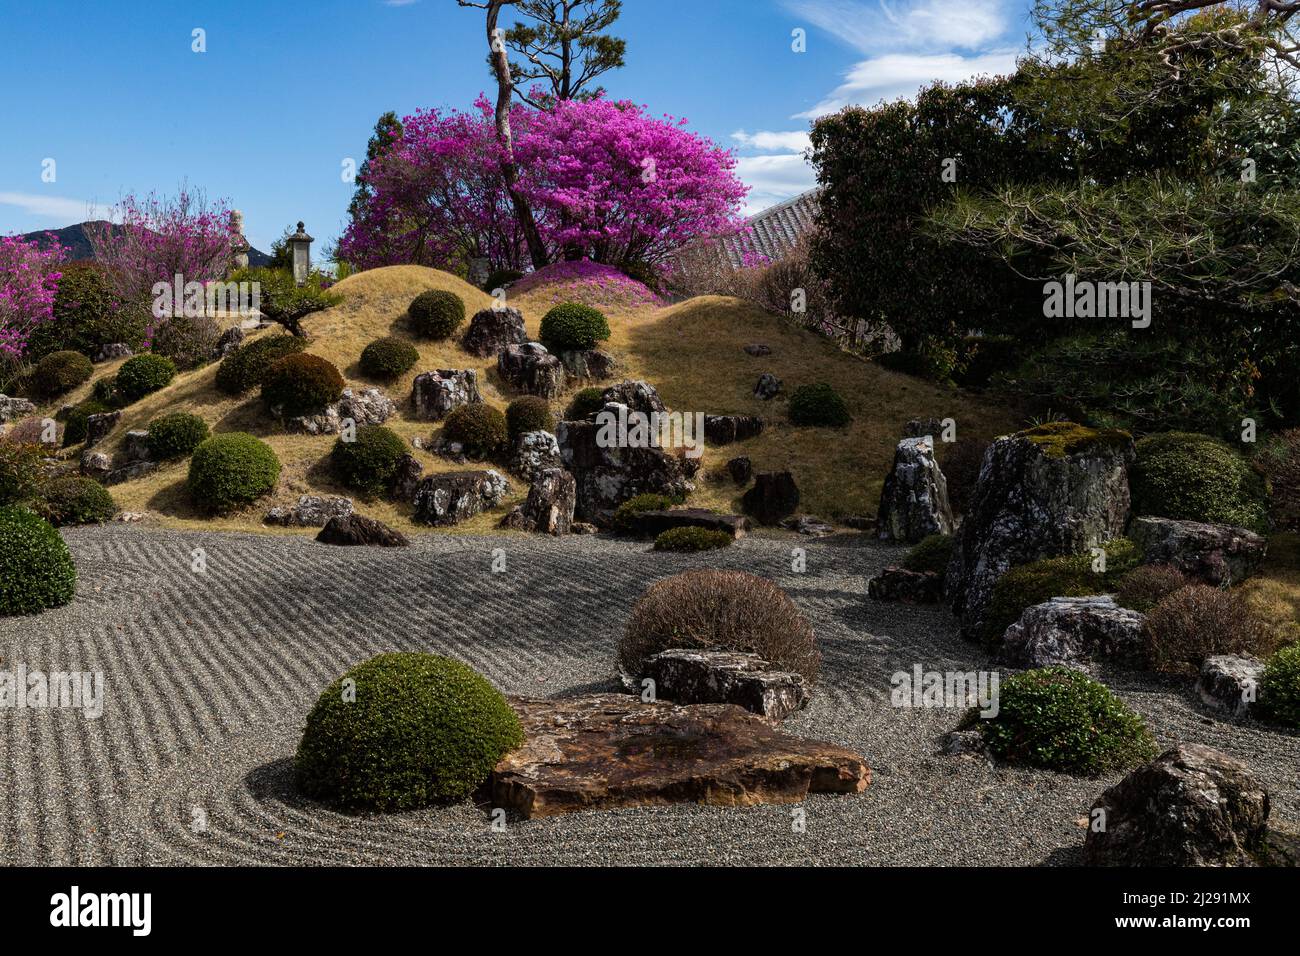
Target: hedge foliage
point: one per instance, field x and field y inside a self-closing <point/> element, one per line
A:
<point x="231" y="470"/>
<point x="818" y="404"/>
<point x="176" y="435"/>
<point x="36" y="569"/>
<point x="368" y="464"/>
<point x="572" y="327"/>
<point x="436" y="314"/>
<point x="1194" y="477"/>
<point x="245" y="367"/>
<point x="142" y="375"/>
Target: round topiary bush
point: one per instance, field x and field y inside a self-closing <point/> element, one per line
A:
<point x="529" y="414"/>
<point x="584" y="404"/>
<point x="403" y="731"/>
<point x="723" y="610"/>
<point x="1194" y="477"/>
<point x="176" y="435"/>
<point x="389" y="357"/>
<point x="73" y="500"/>
<point x="571" y="327"/>
<point x="36" y="570"/>
<point x="75" y="426"/>
<point x="479" y="427"/>
<point x="500" y="279"/>
<point x="436" y="315"/>
<point x="20" y="470"/>
<point x="369" y="463"/>
<point x="1198" y="621"/>
<point x="625" y="514"/>
<point x="1279" y="687"/>
<point x="187" y="340"/>
<point x="244" y="368"/>
<point x="59" y="373"/>
<point x="231" y="470"/>
<point x="818" y="405"/>
<point x="692" y="539"/>
<point x="930" y="554"/>
<point x="1147" y="585"/>
<point x="1061" y="719"/>
<point x="301" y="384"/>
<point x="142" y="375"/>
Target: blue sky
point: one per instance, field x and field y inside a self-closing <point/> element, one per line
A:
<point x="287" y="91"/>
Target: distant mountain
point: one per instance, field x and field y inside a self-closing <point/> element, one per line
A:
<point x="77" y="243"/>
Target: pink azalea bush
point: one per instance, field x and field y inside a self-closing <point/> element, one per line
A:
<point x="29" y="280"/>
<point x="585" y="282"/>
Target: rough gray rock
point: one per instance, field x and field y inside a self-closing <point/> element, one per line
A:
<point x="607" y="477"/>
<point x="534" y="453"/>
<point x="448" y="499"/>
<point x="592" y="365"/>
<point x="1076" y="632"/>
<point x="958" y="742"/>
<point x="1030" y="504"/>
<point x="773" y="498"/>
<point x="531" y="369"/>
<point x="651" y="524"/>
<point x="358" y="531"/>
<point x="688" y="676"/>
<point x="906" y="587"/>
<point x="637" y="395"/>
<point x="1216" y="554"/>
<point x="741" y="470"/>
<point x="1191" y="806"/>
<point x="436" y="394"/>
<point x="808" y="525"/>
<point x="96" y="464"/>
<point x="136" y="446"/>
<point x="1230" y="684"/>
<point x="768" y="387"/>
<point x="549" y="506"/>
<point x="725" y="429"/>
<point x="758" y="349"/>
<point x="12" y="409"/>
<point x="311" y="511"/>
<point x="407" y="479"/>
<point x="923" y="428"/>
<point x="914" y="502"/>
<point x="114" y="350"/>
<point x="99" y="426"/>
<point x="128" y="472"/>
<point x="369" y="407"/>
<point x="492" y="330"/>
<point x="229" y="340"/>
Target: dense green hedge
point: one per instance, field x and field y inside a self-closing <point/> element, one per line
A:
<point x="1195" y="477"/>
<point x="930" y="554"/>
<point x="818" y="404"/>
<point x="692" y="539"/>
<point x="531" y="413"/>
<point x="231" y="470"/>
<point x="88" y="316"/>
<point x="301" y="384"/>
<point x="368" y="464"/>
<point x="1279" y="687"/>
<point x="59" y="373"/>
<point x="36" y="570"/>
<point x="479" y="427"/>
<point x="625" y="514"/>
<point x="142" y="375"/>
<point x="176" y="435"/>
<point x="73" y="500"/>
<point x="572" y="327"/>
<point x="437" y="314"/>
<point x="585" y="402"/>
<point x="245" y="367"/>
<point x="389" y="357"/>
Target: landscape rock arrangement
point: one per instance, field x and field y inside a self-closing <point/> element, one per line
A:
<point x="653" y="523"/>
<point x="13" y="409"/>
<point x="492" y="330"/>
<point x="592" y="365"/>
<point x="1076" y="632"/>
<point x="637" y="395"/>
<point x="914" y="502"/>
<point x="726" y="429"/>
<point x="447" y="499"/>
<point x="311" y="511"/>
<point x="726" y="677"/>
<point x="368" y="407"/>
<point x="549" y="506"/>
<point x="532" y="370"/>
<point x="1229" y="683"/>
<point x="534" y="453"/>
<point x="356" y="530"/>
<point x="1213" y="553"/>
<point x="436" y="394"/>
<point x="906" y="587"/>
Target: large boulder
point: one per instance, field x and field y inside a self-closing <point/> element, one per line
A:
<point x="406" y="479"/>
<point x="1076" y="632"/>
<point x="534" y="453"/>
<point x="436" y="394"/>
<point x="914" y="502"/>
<point x="773" y="498"/>
<point x="607" y="477"/>
<point x="688" y="676"/>
<point x="1191" y="806"/>
<point x="98" y="427"/>
<point x="725" y="429"/>
<point x="311" y="511"/>
<point x="637" y="395"/>
<point x="447" y="499"/>
<point x="1218" y="554"/>
<point x="1230" y="684"/>
<point x="592" y="365"/>
<point x="494" y="329"/>
<point x="531" y="369"/>
<point x="549" y="506"/>
<point x="359" y="531"/>
<point x="12" y="409"/>
<point x="1053" y="490"/>
<point x="368" y="407"/>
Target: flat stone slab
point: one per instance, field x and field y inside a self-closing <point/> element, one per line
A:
<point x="603" y="751"/>
<point x="727" y="677"/>
<point x="654" y="523"/>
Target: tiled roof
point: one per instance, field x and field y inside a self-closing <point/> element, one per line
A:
<point x="773" y="232"/>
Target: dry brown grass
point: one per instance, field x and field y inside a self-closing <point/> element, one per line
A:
<point x="1274" y="593"/>
<point x="693" y="352"/>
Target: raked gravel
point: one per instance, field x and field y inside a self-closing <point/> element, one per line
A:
<point x="209" y="676"/>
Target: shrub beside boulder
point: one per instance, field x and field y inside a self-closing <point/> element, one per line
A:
<point x="1198" y="621"/>
<point x="1279" y="687"/>
<point x="231" y="470"/>
<point x="36" y="569"/>
<point x="1147" y="585"/>
<point x="585" y="403"/>
<point x="176" y="435"/>
<point x="689" y="539"/>
<point x="437" y="314"/>
<point x="531" y="413"/>
<point x="143" y="375"/>
<point x="479" y="427"/>
<point x="388" y="358"/>
<point x="930" y="554"/>
<point x="301" y="384"/>
<point x="403" y="731"/>
<point x="59" y="373"/>
<point x="818" y="405"/>
<point x="244" y="368"/>
<point x="75" y="426"/>
<point x="74" y="500"/>
<point x="369" y="463"/>
<point x="572" y="327"/>
<point x="1193" y="477"/>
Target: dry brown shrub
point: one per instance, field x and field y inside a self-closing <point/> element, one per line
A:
<point x="1146" y="586"/>
<point x="1198" y="621"/>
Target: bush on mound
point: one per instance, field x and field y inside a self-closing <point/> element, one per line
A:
<point x="1198" y="621"/>
<point x="143" y="375"/>
<point x="244" y="368"/>
<point x="500" y="279"/>
<point x="75" y="427"/>
<point x="88" y="315"/>
<point x="529" y="414"/>
<point x="20" y="470"/>
<point x="436" y="315"/>
<point x="36" y="570"/>
<point x="73" y="500"/>
<point x="1192" y="477"/>
<point x="722" y="610"/>
<point x="692" y="539"/>
<point x="625" y="514"/>
<point x="368" y="464"/>
<point x="301" y="384"/>
<point x="176" y="435"/>
<point x="571" y="327"/>
<point x="403" y="731"/>
<point x="1061" y="719"/>
<point x="818" y="405"/>
<point x="232" y="470"/>
<point x="1146" y="586"/>
<point x="388" y="358"/>
<point x="187" y="340"/>
<point x="1279" y="687"/>
<point x="479" y="427"/>
<point x="59" y="373"/>
<point x="585" y="403"/>
<point x="930" y="554"/>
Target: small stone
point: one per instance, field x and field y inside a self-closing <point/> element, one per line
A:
<point x="230" y="340"/>
<point x="96" y="464"/>
<point x="1230" y="683"/>
<point x="136" y="446"/>
<point x="638" y="395"/>
<point x="808" y="525"/>
<point x="447" y="499"/>
<point x="914" y="501"/>
<point x="12" y="409"/>
<point x="768" y="387"/>
<point x="726" y="429"/>
<point x="906" y="587"/>
<point x="741" y="470"/>
<point x="758" y="349"/>
<point x="654" y="523"/>
<point x="583" y="527"/>
<point x="589" y="366"/>
<point x="368" y="407"/>
<point x="860" y="523"/>
<point x="129" y="472"/>
<point x="406" y="479"/>
<point x="956" y="743"/>
<point x="113" y="351"/>
<point x="549" y="506"/>
<point x="931" y="428"/>
<point x="98" y="427"/>
<point x="532" y="370"/>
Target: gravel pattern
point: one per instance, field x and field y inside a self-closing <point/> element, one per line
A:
<point x="209" y="676"/>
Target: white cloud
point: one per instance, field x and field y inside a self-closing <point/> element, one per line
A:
<point x="795" y="141"/>
<point x="65" y="210"/>
<point x="772" y="179"/>
<point x="897" y="75"/>
<point x="870" y="26"/>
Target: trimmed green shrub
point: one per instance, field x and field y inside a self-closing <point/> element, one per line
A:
<point x="188" y="341"/>
<point x="403" y="731"/>
<point x="142" y="375"/>
<point x="571" y="327"/>
<point x="1198" y="621"/>
<point x="59" y="373"/>
<point x="301" y="384"/>
<point x="1147" y="585"/>
<point x="286" y="302"/>
<point x="529" y="414"/>
<point x="436" y="315"/>
<point x="245" y="367"/>
<point x="1071" y="576"/>
<point x="389" y="357"/>
<point x="625" y="514"/>
<point x="75" y="427"/>
<point x="87" y="316"/>
<point x="719" y="610"/>
<point x="585" y="403"/>
<point x="1279" y="687"/>
<point x="1061" y="719"/>
<point x="20" y="471"/>
<point x="176" y="435"/>
<point x="692" y="539"/>
<point x="930" y="554"/>
<point x="105" y="392"/>
<point x="1192" y="477"/>
<point x="369" y="463"/>
<point x="818" y="404"/>
<point x="36" y="570"/>
<point x="231" y="470"/>
<point x="479" y="427"/>
<point x="500" y="279"/>
<point x="73" y="500"/>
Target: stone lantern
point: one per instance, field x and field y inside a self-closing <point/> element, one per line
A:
<point x="300" y="246"/>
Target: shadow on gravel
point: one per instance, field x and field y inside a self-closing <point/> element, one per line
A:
<point x="273" y="782"/>
<point x="1065" y="856"/>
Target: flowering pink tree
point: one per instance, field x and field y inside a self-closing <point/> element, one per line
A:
<point x="29" y="279"/>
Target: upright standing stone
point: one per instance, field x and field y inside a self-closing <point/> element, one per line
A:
<point x="914" y="502"/>
<point x="492" y="330"/>
<point x="436" y="394"/>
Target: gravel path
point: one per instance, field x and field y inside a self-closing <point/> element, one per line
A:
<point x="208" y="677"/>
